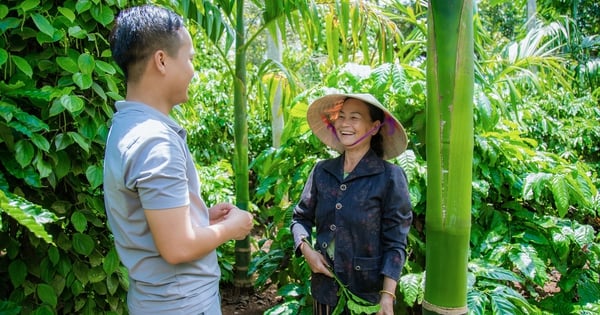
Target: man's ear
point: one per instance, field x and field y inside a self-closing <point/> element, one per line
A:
<point x="159" y="60"/>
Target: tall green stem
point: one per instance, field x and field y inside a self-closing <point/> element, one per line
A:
<point x="449" y="155"/>
<point x="242" y="247"/>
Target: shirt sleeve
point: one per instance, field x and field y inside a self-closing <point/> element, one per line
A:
<point x="303" y="218"/>
<point x="156" y="169"/>
<point x="396" y="222"/>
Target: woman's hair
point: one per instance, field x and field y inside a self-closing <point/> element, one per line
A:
<point x="139" y="32"/>
<point x="377" y="140"/>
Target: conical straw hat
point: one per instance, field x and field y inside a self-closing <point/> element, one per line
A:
<point x="323" y="111"/>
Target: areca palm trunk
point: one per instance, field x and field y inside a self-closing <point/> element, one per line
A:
<point x="449" y="155"/>
<point x="240" y="99"/>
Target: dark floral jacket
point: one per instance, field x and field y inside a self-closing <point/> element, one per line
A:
<point x="368" y="214"/>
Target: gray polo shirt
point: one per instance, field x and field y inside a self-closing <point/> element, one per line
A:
<point x="148" y="165"/>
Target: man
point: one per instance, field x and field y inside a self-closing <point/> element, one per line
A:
<point x="164" y="233"/>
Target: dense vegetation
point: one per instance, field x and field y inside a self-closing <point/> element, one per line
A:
<point x="535" y="245"/>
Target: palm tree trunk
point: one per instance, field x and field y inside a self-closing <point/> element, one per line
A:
<point x="449" y="155"/>
<point x="240" y="99"/>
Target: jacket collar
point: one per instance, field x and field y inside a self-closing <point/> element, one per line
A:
<point x="370" y="164"/>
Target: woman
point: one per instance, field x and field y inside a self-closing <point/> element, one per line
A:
<point x="358" y="202"/>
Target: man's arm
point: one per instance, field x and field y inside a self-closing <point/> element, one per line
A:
<point x="179" y="241"/>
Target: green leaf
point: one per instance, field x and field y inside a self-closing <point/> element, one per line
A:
<point x="112" y="284"/>
<point x="43" y="167"/>
<point x="86" y="63"/>
<point x="40" y="142"/>
<point x="68" y="64"/>
<point x="560" y="192"/>
<point x="23" y="65"/>
<point x="68" y="13"/>
<point x="72" y="103"/>
<point x="17" y="271"/>
<point x="27" y="214"/>
<point x="53" y="255"/>
<point x="79" y="221"/>
<point x="105" y="67"/>
<point x="94" y="175"/>
<point x="110" y="262"/>
<point x="3" y="56"/>
<point x="3" y="11"/>
<point x="29" y="5"/>
<point x="24" y="152"/>
<point x="47" y="294"/>
<point x="77" y="32"/>
<point x="81" y="141"/>
<point x="102" y="14"/>
<point x="43" y="24"/>
<point x="83" y="81"/>
<point x="83" y="244"/>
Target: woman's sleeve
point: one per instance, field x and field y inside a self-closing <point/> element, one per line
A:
<point x="396" y="221"/>
<point x="303" y="218"/>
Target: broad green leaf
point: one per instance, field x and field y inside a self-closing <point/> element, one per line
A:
<point x="28" y="5"/>
<point x="23" y="65"/>
<point x="47" y="294"/>
<point x="68" y="13"/>
<point x="40" y="142"/>
<point x="3" y="56"/>
<point x="94" y="175"/>
<point x="105" y="67"/>
<point x="68" y="64"/>
<point x="83" y="5"/>
<point x="110" y="262"/>
<point x="28" y="214"/>
<point x="9" y="23"/>
<point x="3" y="11"/>
<point x="62" y="141"/>
<point x="43" y="167"/>
<point x="83" y="81"/>
<point x="42" y="24"/>
<point x="411" y="286"/>
<point x="112" y="283"/>
<point x="77" y="32"/>
<point x="17" y="271"/>
<point x="96" y="274"/>
<point x="33" y="123"/>
<point x="24" y="152"/>
<point x="560" y="192"/>
<point x="83" y="244"/>
<point x="79" y="221"/>
<point x="53" y="255"/>
<point x="81" y="141"/>
<point x="86" y="63"/>
<point x="102" y="13"/>
<point x="72" y="103"/>
<point x="502" y="306"/>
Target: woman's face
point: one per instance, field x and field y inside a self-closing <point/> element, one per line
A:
<point x="354" y="126"/>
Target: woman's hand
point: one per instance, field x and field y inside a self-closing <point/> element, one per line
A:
<point x="387" y="305"/>
<point x="316" y="261"/>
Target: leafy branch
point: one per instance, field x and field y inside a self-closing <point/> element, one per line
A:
<point x="355" y="304"/>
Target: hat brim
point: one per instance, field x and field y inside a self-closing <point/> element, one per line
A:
<point x="319" y="120"/>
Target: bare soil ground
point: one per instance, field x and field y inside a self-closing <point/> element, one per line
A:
<point x="235" y="302"/>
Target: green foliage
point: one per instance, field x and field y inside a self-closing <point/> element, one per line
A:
<point x="58" y="84"/>
<point x="534" y="240"/>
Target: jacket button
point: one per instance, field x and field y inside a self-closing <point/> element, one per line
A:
<point x="357" y="268"/>
<point x="324" y="245"/>
<point x="343" y="187"/>
<point x="338" y="206"/>
<point x="332" y="227"/>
